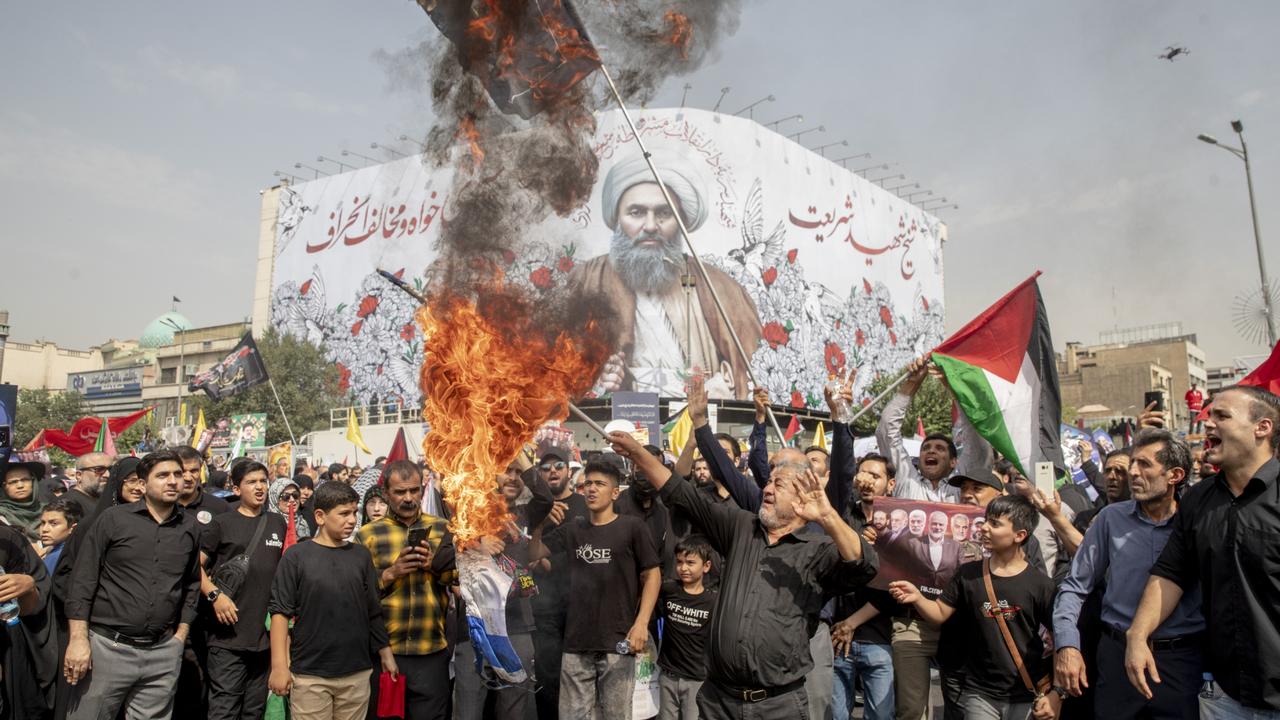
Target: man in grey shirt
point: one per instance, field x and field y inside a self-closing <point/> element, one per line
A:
<point x="1121" y="546"/>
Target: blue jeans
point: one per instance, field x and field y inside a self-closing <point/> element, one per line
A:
<point x="1217" y="705"/>
<point x="874" y="664"/>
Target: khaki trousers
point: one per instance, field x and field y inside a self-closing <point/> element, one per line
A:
<point x="915" y="642"/>
<point x="340" y="698"/>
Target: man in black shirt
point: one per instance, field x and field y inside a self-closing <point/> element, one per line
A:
<point x="92" y="470"/>
<point x="774" y="585"/>
<point x="551" y="577"/>
<point x="1226" y="538"/>
<point x="132" y="599"/>
<point x="239" y="654"/>
<point x="191" y="496"/>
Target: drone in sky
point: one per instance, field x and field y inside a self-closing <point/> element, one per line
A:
<point x="1172" y="52"/>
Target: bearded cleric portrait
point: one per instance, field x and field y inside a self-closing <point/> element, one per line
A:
<point x="662" y="332"/>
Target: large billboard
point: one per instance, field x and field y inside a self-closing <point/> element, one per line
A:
<point x="817" y="267"/>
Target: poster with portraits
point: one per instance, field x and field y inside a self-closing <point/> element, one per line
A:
<point x="924" y="542"/>
<point x="818" y="268"/>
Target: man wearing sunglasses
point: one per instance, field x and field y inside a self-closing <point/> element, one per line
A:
<point x="92" y="470"/>
<point x="552" y="580"/>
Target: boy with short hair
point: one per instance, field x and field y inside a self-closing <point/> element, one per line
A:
<point x="994" y="687"/>
<point x="57" y="521"/>
<point x="614" y="579"/>
<point x="329" y="587"/>
<point x="686" y="607"/>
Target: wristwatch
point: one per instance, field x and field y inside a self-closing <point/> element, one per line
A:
<point x="1061" y="691"/>
<point x="214" y="594"/>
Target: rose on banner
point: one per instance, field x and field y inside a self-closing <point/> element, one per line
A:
<point x="923" y="542"/>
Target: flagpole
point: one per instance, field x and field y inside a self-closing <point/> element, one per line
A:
<point x="283" y="414"/>
<point x="883" y="394"/>
<point x="684" y="233"/>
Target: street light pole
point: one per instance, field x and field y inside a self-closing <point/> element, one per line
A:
<point x="1243" y="154"/>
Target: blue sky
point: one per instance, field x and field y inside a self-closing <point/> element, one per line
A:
<point x="134" y="138"/>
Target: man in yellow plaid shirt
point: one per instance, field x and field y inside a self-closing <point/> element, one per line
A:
<point x="413" y="582"/>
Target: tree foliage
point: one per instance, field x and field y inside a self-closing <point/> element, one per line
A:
<point x="932" y="403"/>
<point x="306" y="381"/>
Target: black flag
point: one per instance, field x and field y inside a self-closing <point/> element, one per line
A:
<point x="526" y="52"/>
<point x="240" y="370"/>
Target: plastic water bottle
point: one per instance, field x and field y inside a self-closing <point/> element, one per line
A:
<point x="843" y="410"/>
<point x="1206" y="689"/>
<point x="9" y="610"/>
<point x="623" y="647"/>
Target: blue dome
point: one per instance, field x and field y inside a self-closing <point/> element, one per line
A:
<point x="160" y="331"/>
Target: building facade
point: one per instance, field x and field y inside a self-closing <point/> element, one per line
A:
<point x="1116" y="376"/>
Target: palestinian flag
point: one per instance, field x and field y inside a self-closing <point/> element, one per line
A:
<point x="1002" y="369"/>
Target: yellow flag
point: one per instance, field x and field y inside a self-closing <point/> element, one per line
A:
<point x="353" y="431"/>
<point x="679" y="432"/>
<point x="182" y="414"/>
<point x="820" y="436"/>
<point x="199" y="429"/>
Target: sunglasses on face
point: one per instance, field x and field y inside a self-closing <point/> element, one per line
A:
<point x="98" y="470"/>
<point x="547" y="467"/>
<point x="289" y="496"/>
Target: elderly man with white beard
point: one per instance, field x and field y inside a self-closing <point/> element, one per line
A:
<point x="660" y="333"/>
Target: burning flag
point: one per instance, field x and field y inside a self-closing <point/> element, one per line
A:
<point x="526" y="53"/>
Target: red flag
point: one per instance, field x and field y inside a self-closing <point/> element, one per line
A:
<point x="84" y="434"/>
<point x="399" y="451"/>
<point x="793" y="428"/>
<point x="291" y="528"/>
<point x="919" y="426"/>
<point x="1266" y="375"/>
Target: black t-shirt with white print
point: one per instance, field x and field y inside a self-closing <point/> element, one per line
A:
<point x="1026" y="601"/>
<point x="225" y="537"/>
<point x="605" y="562"/>
<point x="686" y="621"/>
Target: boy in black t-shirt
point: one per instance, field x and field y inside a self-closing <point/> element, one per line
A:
<point x="994" y="688"/>
<point x="685" y="607"/>
<point x="239" y="649"/>
<point x="609" y="556"/>
<point x="329" y="588"/>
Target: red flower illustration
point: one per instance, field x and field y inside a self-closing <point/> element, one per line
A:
<point x="886" y="317"/>
<point x="508" y="257"/>
<point x="564" y="264"/>
<point x="859" y="338"/>
<point x="541" y="278"/>
<point x="355" y="328"/>
<point x="406" y="332"/>
<point x="893" y="338"/>
<point x="344" y="377"/>
<point x="791" y="256"/>
<point x="797" y="399"/>
<point x="769" y="276"/>
<point x="306" y="287"/>
<point x="866" y="286"/>
<point x="379" y="371"/>
<point x="775" y="334"/>
<point x="367" y="306"/>
<point x="925" y="302"/>
<point x="834" y="358"/>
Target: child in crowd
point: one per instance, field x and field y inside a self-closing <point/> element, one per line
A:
<point x="57" y="521"/>
<point x="995" y="688"/>
<point x="686" y="607"/>
<point x="329" y="588"/>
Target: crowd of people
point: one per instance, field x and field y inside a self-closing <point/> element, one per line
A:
<point x="132" y="588"/>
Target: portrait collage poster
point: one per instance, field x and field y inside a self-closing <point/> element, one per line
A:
<point x="819" y="268"/>
<point x="924" y="542"/>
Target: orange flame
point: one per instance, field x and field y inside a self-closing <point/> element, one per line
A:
<point x="542" y="63"/>
<point x="681" y="35"/>
<point x="490" y="379"/>
<point x="467" y="131"/>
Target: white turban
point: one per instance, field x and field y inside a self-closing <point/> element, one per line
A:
<point x="680" y="179"/>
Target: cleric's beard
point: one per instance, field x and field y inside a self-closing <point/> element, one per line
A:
<point x="643" y="268"/>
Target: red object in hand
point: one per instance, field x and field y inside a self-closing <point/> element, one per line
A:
<point x="390" y="695"/>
